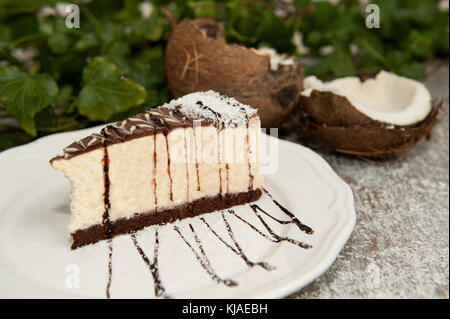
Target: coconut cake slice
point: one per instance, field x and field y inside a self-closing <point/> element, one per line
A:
<point x="194" y="155"/>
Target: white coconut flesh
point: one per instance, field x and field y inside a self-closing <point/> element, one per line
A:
<point x="276" y="59"/>
<point x="387" y="98"/>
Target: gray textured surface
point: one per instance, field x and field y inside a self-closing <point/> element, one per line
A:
<point x="399" y="247"/>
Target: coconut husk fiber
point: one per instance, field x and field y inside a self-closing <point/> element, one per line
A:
<point x="329" y="120"/>
<point x="198" y="58"/>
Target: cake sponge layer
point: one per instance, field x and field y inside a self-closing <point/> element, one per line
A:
<point x="136" y="222"/>
<point x="161" y="171"/>
<point x="86" y="177"/>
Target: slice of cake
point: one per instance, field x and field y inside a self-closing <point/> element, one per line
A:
<point x="194" y="155"/>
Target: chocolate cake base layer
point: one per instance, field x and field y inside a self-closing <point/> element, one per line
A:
<point x="96" y="233"/>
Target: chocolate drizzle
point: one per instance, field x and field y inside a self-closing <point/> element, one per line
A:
<point x="160" y="291"/>
<point x="219" y="161"/>
<point x="106" y="214"/>
<point x="250" y="175"/>
<point x="187" y="166"/>
<point x="154" y="173"/>
<point x="274" y="237"/>
<point x="205" y="107"/>
<point x="294" y="219"/>
<point x="203" y="259"/>
<point x="238" y="250"/>
<point x="196" y="161"/>
<point x="168" y="167"/>
<point x="108" y="285"/>
<point x="227" y="168"/>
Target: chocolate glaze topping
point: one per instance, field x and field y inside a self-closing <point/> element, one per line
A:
<point x="148" y="123"/>
<point x="161" y="119"/>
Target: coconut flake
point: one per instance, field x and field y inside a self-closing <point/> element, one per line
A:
<point x="387" y="98"/>
<point x="443" y="5"/>
<point x="45" y="11"/>
<point x="213" y="106"/>
<point x="276" y="59"/>
<point x="146" y="9"/>
<point x="61" y="9"/>
<point x="326" y="49"/>
<point x="24" y="54"/>
<point x="297" y="38"/>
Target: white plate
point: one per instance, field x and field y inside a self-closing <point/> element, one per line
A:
<point x="35" y="259"/>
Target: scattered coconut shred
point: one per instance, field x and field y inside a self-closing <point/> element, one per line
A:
<point x="213" y="106"/>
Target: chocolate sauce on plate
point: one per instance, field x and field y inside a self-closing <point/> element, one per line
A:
<point x="160" y="291"/>
<point x="203" y="259"/>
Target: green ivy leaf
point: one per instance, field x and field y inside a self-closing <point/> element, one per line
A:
<point x="86" y="42"/>
<point x="25" y="95"/>
<point x="341" y="63"/>
<point x="414" y="70"/>
<point x="130" y="11"/>
<point x="419" y="44"/>
<point x="5" y="142"/>
<point x="202" y="11"/>
<point x="396" y="59"/>
<point x="59" y="43"/>
<point x="106" y="92"/>
<point x="150" y="29"/>
<point x="108" y="33"/>
<point x="274" y="31"/>
<point x="5" y="34"/>
<point x="147" y="68"/>
<point x="64" y="98"/>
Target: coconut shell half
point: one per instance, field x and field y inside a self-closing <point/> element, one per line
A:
<point x="198" y="58"/>
<point x="330" y="120"/>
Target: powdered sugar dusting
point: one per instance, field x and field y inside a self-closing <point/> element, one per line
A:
<point x="214" y="106"/>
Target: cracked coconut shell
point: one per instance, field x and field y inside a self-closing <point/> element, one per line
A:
<point x="199" y="59"/>
<point x="370" y="118"/>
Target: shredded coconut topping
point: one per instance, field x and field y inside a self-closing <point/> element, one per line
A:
<point x="214" y="106"/>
